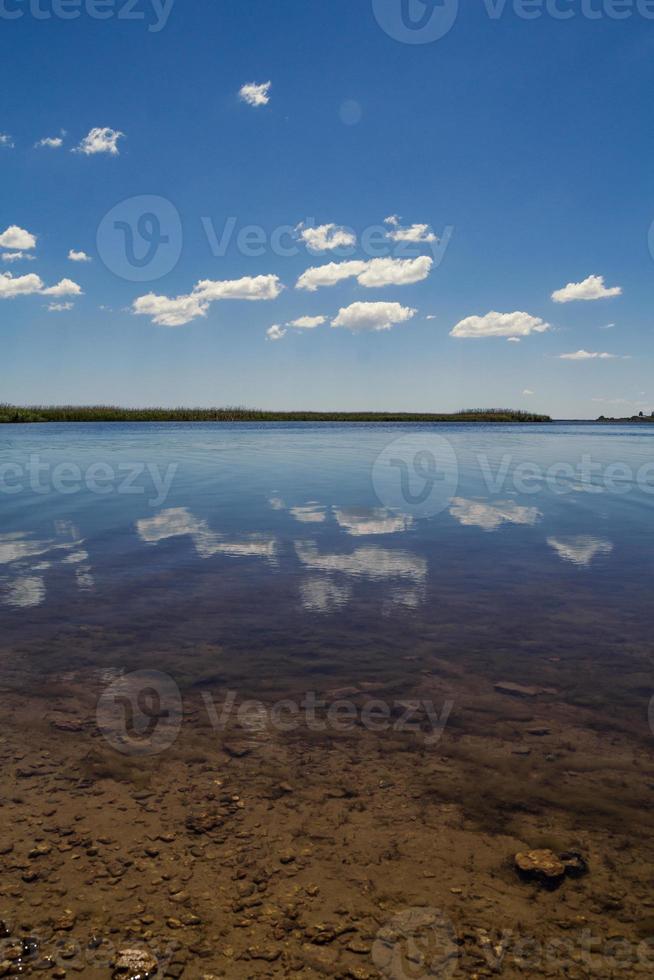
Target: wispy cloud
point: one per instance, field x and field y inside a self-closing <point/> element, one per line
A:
<point x="59" y="307"/>
<point x="587" y="355"/>
<point x="6" y="141"/>
<point x="50" y="142"/>
<point x="78" y="256"/>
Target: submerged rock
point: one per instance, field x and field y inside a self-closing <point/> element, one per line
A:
<point x="549" y="868"/>
<point x="522" y="690"/>
<point x="543" y="865"/>
<point x="134" y="963"/>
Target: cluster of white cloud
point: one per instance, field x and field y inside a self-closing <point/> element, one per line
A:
<point x="176" y="311"/>
<point x="514" y="326"/>
<point x="591" y="288"/>
<point x="357" y="317"/>
<point x="24" y="242"/>
<point x="416" y="234"/>
<point x="12" y="286"/>
<point x="99" y="139"/>
<point x="511" y="325"/>
<point x="328" y="237"/>
<point x="255" y="94"/>
<point x="325" y="238"/>
<point x="371" y="273"/>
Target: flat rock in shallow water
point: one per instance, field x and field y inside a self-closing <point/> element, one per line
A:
<point x="543" y="865"/>
<point x="135" y="964"/>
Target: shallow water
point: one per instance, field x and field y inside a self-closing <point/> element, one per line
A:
<point x="272" y="554"/>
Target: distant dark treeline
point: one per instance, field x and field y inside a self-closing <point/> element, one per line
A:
<point x="109" y="413"/>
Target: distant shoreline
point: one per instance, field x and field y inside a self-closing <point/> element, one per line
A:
<point x="101" y="413"/>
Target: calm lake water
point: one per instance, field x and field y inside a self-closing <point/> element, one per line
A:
<point x="275" y="555"/>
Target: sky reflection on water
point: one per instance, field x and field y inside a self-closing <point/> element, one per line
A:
<point x="284" y="521"/>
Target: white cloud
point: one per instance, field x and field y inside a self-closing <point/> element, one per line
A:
<point x="17" y="238"/>
<point x="78" y="256"/>
<point x="528" y="391"/>
<point x="29" y="285"/>
<point x="275" y="332"/>
<point x="169" y="312"/>
<point x="372" y="316"/>
<point x="6" y="140"/>
<point x="310" y="513"/>
<point x="252" y="288"/>
<point x="379" y="520"/>
<point x="589" y="289"/>
<point x="255" y="95"/>
<point x="11" y="286"/>
<point x="413" y="233"/>
<point x="59" y="307"/>
<point x="371" y="562"/>
<point x="66" y="287"/>
<point x="513" y="340"/>
<point x="180" y="522"/>
<point x="17" y="257"/>
<point x="321" y="595"/>
<point x="431" y="316"/>
<point x="324" y="238"/>
<point x="53" y="142"/>
<point x="607" y="326"/>
<point x="580" y="550"/>
<point x="308" y="322"/>
<point x="100" y="139"/>
<point x="489" y="517"/>
<point x="373" y="273"/>
<point x="175" y="312"/>
<point x="500" y="325"/>
<point x="587" y="355"/>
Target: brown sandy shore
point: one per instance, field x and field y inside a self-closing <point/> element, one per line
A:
<point x="256" y="852"/>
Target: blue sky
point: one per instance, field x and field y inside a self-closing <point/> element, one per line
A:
<point x="523" y="145"/>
